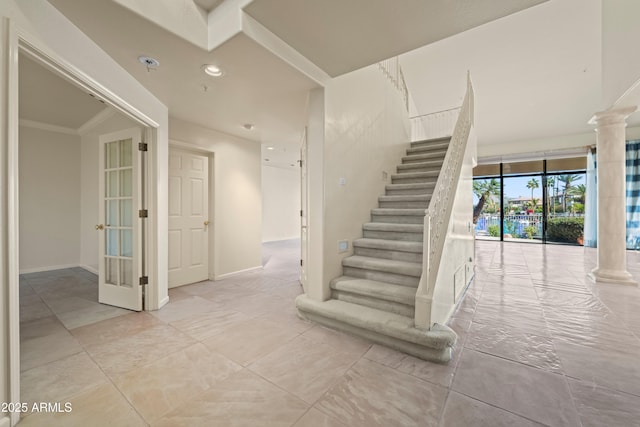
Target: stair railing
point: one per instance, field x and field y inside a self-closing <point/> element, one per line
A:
<point x="392" y="69"/>
<point x="438" y="214"/>
<point x="434" y="125"/>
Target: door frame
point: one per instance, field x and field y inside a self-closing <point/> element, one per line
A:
<point x="210" y="154"/>
<point x="21" y="41"/>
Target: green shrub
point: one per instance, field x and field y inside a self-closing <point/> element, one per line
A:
<point x="566" y="230"/>
<point x="530" y="231"/>
<point x="494" y="230"/>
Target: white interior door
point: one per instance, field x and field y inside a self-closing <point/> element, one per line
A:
<point x="188" y="217"/>
<point x="303" y="211"/>
<point x="120" y="241"/>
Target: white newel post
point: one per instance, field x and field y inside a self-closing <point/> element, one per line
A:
<point x="612" y="257"/>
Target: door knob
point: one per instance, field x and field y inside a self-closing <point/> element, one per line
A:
<point x="206" y="223"/>
<point x="99" y="227"/>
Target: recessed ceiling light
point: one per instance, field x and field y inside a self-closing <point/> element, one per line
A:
<point x="248" y="126"/>
<point x="270" y="148"/>
<point x="212" y="70"/>
<point x="149" y="62"/>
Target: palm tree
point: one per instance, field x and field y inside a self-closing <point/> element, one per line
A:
<point x="579" y="191"/>
<point x="567" y="180"/>
<point x="550" y="183"/>
<point x="533" y="184"/>
<point x="484" y="190"/>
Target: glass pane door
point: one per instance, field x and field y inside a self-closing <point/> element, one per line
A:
<point x="522" y="204"/>
<point x="118" y="205"/>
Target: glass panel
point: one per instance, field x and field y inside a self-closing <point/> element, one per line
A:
<point x="126" y="273"/>
<point x="523" y="167"/>
<point x="112" y="213"/>
<point x="565" y="207"/>
<point x="126" y="213"/>
<point x="111" y="155"/>
<point x="126" y="248"/>
<point x="126" y="186"/>
<point x="522" y="204"/>
<point x="111" y="271"/>
<point x="486" y="208"/>
<point x="111" y="187"/>
<point x="487" y="170"/>
<point x="112" y="242"/>
<point x="125" y="153"/>
<point x="570" y="164"/>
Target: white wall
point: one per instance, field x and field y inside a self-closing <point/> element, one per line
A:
<point x="280" y="203"/>
<point x="620" y="58"/>
<point x="366" y="134"/>
<point x="47" y="29"/>
<point x="237" y="210"/>
<point x="89" y="196"/>
<point x="49" y="200"/>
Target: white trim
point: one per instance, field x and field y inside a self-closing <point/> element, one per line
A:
<point x="5" y="422"/>
<point x="89" y="269"/>
<point x="163" y="302"/>
<point x="48" y="127"/>
<point x="536" y="155"/>
<point x="96" y="120"/>
<point x="21" y="41"/>
<point x="235" y="273"/>
<point x="48" y="268"/>
<point x="189" y="147"/>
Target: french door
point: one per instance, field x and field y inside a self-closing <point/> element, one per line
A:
<point x="120" y="220"/>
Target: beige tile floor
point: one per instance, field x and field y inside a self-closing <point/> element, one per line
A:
<point x="538" y="345"/>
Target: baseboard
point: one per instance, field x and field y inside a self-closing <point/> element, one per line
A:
<point x="163" y="302"/>
<point x="90" y="269"/>
<point x="48" y="268"/>
<point x="246" y="270"/>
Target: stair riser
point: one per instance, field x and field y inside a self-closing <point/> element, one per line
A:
<point x="409" y="160"/>
<point x="414" y="151"/>
<point x="432" y="145"/>
<point x="409" y="191"/>
<point x="398" y="219"/>
<point x="399" y="179"/>
<point x="380" y="276"/>
<point x="388" y="254"/>
<point x="393" y="235"/>
<point x="379" y="304"/>
<point x="426" y="353"/>
<point x="416" y="168"/>
<point x="404" y="205"/>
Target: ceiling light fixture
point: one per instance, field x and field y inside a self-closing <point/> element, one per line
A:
<point x="213" y="70"/>
<point x="149" y="62"/>
<point x="248" y="126"/>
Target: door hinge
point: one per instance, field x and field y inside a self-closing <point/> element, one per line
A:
<point x="144" y="280"/>
<point x="300" y="212"/>
<point x="300" y="263"/>
<point x="143" y="213"/>
<point x="142" y="146"/>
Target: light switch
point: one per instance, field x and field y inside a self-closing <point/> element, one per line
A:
<point x="343" y="181"/>
<point x="343" y="246"/>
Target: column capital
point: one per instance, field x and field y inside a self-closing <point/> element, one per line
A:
<point x="612" y="116"/>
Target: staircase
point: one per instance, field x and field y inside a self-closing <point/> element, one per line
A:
<point x="375" y="296"/>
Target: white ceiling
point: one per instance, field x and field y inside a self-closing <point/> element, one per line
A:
<point x="341" y="36"/>
<point x="46" y="98"/>
<point x="536" y="73"/>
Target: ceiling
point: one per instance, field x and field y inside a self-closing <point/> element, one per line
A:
<point x="341" y="36"/>
<point x="536" y="74"/>
<point x="265" y="82"/>
<point x="42" y="94"/>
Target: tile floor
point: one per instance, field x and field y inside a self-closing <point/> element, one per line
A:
<point x="538" y="345"/>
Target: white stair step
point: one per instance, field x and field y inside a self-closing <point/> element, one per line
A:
<point x="389" y="329"/>
<point x="421" y="157"/>
<point x="398" y="216"/>
<point x="415" y="177"/>
<point x="403" y="189"/>
<point x="426" y="149"/>
<point x="420" y="167"/>
<point x="384" y="265"/>
<point x="433" y="144"/>
<point x="390" y="231"/>
<point x="390" y="249"/>
<point x="379" y="295"/>
<point x="408" y="201"/>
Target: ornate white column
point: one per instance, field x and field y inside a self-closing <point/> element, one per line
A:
<point x="612" y="257"/>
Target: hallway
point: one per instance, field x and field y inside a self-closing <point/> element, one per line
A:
<point x="538" y="344"/>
